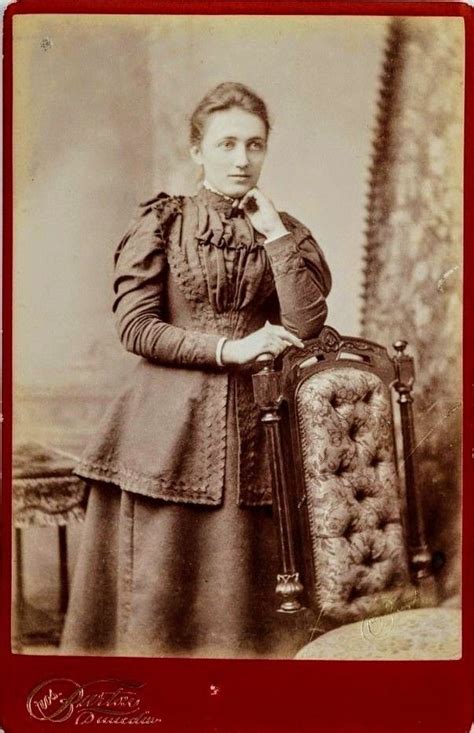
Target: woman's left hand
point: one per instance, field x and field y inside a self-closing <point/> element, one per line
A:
<point x="262" y="214"/>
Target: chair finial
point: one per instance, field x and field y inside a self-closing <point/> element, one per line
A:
<point x="400" y="346"/>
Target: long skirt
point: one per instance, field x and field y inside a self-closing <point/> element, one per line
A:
<point x="156" y="578"/>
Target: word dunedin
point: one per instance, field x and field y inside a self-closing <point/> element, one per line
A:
<point x="103" y="702"/>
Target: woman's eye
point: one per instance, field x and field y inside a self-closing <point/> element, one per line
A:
<point x="227" y="144"/>
<point x="255" y="145"/>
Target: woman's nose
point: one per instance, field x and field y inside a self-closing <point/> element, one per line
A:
<point x="241" y="157"/>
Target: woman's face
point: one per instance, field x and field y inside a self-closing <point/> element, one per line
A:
<point x="232" y="151"/>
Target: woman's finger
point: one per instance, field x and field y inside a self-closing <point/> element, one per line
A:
<point x="281" y="340"/>
<point x="277" y="345"/>
<point x="252" y="193"/>
<point x="288" y="336"/>
<point x="271" y="344"/>
<point x="277" y="349"/>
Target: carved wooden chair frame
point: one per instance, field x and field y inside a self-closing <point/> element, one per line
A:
<point x="275" y="387"/>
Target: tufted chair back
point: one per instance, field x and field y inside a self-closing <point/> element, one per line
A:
<point x="353" y="501"/>
<point x="349" y="547"/>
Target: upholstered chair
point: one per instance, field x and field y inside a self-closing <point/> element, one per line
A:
<point x="347" y="505"/>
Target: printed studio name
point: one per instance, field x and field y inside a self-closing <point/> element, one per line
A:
<point x="101" y="702"/>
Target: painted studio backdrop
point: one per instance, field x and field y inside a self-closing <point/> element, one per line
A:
<point x="366" y="149"/>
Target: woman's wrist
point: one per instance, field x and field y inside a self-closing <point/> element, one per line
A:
<point x="277" y="234"/>
<point x="229" y="353"/>
<point x="220" y="346"/>
<point x="277" y="231"/>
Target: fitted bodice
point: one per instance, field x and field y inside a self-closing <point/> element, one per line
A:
<point x="224" y="252"/>
<point x="187" y="273"/>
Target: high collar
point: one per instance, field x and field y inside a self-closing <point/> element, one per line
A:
<point x="207" y="185"/>
<point x="218" y="201"/>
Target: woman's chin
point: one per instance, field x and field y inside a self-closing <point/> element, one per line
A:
<point x="238" y="189"/>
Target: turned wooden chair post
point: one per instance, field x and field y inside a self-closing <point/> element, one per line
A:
<point x="267" y="393"/>
<point x="420" y="556"/>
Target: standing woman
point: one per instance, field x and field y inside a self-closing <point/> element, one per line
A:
<point x="179" y="552"/>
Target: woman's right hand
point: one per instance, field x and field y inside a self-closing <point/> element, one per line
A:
<point x="269" y="339"/>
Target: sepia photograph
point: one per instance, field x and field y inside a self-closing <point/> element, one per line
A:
<point x="237" y="336"/>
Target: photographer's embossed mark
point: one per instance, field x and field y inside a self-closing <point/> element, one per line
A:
<point x="102" y="702"/>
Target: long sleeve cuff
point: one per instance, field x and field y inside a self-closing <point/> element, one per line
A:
<point x="148" y="336"/>
<point x="219" y="348"/>
<point x="273" y="239"/>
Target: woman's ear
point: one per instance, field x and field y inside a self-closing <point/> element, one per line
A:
<point x="196" y="155"/>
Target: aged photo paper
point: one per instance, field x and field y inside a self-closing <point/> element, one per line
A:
<point x="173" y="496"/>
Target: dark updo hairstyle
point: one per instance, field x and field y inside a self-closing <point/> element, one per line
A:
<point x="225" y="96"/>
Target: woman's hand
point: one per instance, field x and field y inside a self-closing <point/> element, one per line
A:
<point x="262" y="214"/>
<point x="268" y="339"/>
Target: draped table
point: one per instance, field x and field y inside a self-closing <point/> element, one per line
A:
<point x="45" y="493"/>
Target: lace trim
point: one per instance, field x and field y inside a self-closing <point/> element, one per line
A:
<point x="201" y="471"/>
<point x="202" y="482"/>
<point x="156" y="487"/>
<point x="255" y="476"/>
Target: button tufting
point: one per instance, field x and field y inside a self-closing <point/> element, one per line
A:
<point x="340" y="469"/>
<point x="367" y="396"/>
<point x="359" y="495"/>
<point x="349" y="531"/>
<point x="353" y="594"/>
<point x="353" y="430"/>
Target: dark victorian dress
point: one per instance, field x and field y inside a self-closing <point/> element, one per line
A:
<point x="179" y="553"/>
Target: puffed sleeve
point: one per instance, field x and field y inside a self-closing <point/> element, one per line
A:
<point x="139" y="303"/>
<point x="302" y="279"/>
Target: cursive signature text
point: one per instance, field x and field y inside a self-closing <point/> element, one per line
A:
<point x="107" y="701"/>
